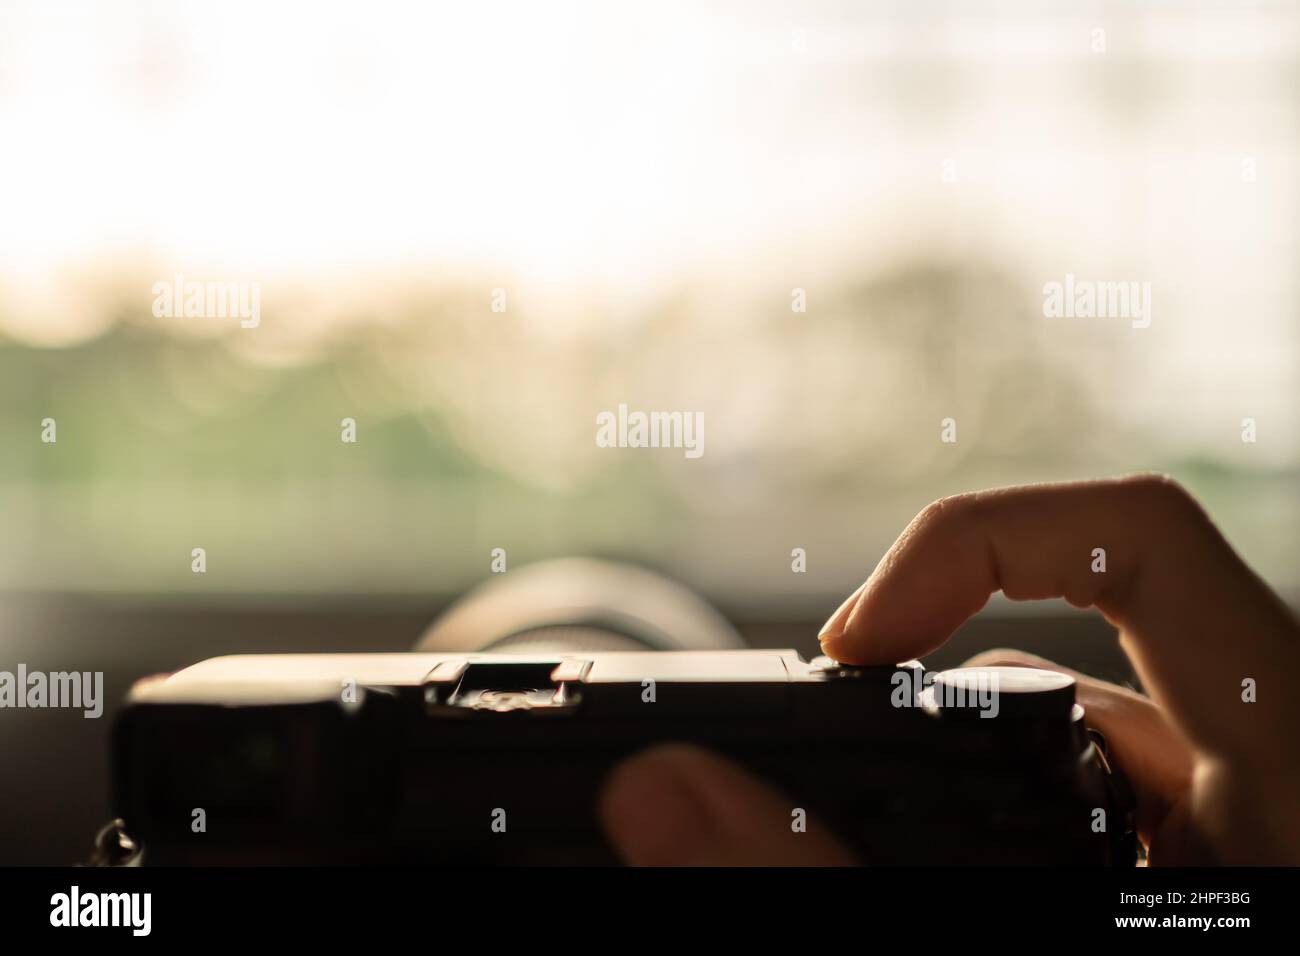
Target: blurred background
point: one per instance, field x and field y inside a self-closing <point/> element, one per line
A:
<point x="647" y="184"/>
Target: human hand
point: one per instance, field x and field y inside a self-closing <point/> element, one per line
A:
<point x="1217" y="779"/>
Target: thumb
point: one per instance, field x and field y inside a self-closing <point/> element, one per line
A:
<point x="678" y="805"/>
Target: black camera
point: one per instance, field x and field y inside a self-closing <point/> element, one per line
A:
<point x="498" y="756"/>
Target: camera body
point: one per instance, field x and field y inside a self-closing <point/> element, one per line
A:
<point x="499" y="757"/>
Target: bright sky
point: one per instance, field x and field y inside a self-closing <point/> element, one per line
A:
<point x="634" y="146"/>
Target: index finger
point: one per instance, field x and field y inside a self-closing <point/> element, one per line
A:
<point x="1194" y="618"/>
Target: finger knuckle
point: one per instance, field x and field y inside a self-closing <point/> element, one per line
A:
<point x="1162" y="492"/>
<point x="944" y="509"/>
